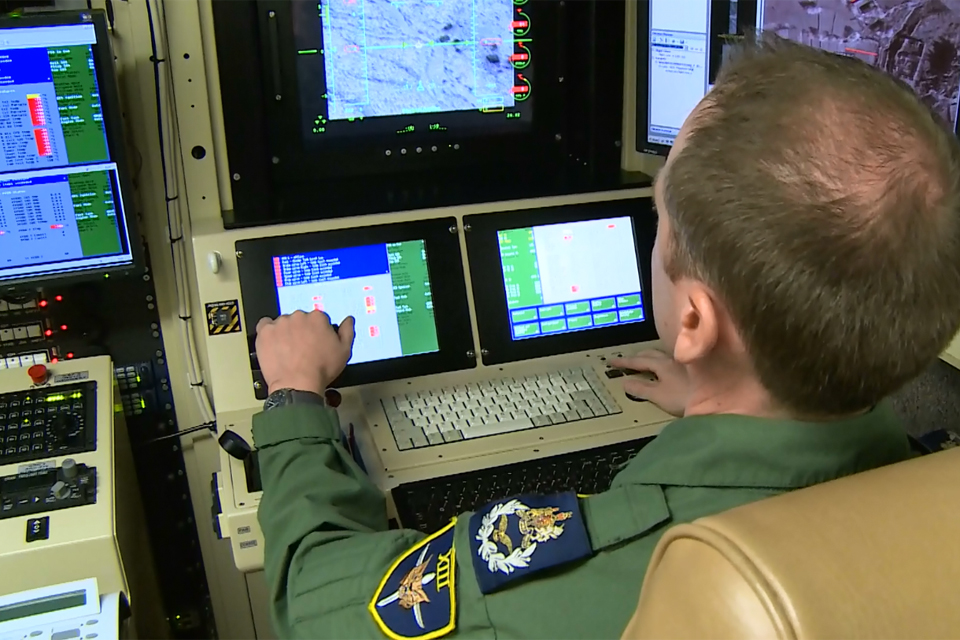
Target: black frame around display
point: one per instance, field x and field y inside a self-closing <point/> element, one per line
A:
<point x="112" y="118"/>
<point x="573" y="144"/>
<point x="445" y="268"/>
<point x="490" y="299"/>
<point x="718" y="29"/>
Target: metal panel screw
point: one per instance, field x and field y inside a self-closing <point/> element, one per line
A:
<point x="453" y="228"/>
<point x="471" y="354"/>
<point x="239" y="254"/>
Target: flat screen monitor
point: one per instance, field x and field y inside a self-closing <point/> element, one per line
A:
<point x="917" y="41"/>
<point x="563" y="279"/>
<point x="402" y="283"/>
<point x="422" y="70"/>
<point x="385" y="287"/>
<point x="63" y="188"/>
<point x="680" y="48"/>
<point x="570" y="276"/>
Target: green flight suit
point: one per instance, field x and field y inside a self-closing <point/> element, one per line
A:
<point x="327" y="546"/>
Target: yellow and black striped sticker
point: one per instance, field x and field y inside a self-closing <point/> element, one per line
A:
<point x="223" y="317"/>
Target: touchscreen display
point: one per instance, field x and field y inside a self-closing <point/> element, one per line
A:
<point x="573" y="276"/>
<point x="385" y="287"/>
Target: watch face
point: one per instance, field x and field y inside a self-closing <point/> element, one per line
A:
<point x="276" y="399"/>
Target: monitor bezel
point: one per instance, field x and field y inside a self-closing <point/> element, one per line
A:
<point x="445" y="269"/>
<point x="486" y="275"/>
<point x="116" y="142"/>
<point x="642" y="106"/>
<point x="294" y="160"/>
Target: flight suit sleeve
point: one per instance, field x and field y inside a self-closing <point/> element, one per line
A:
<point x="327" y="546"/>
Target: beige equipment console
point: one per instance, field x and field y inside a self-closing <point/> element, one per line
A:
<point x="69" y="501"/>
<point x="363" y="411"/>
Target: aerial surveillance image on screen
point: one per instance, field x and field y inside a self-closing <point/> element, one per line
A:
<point x="392" y="57"/>
<point x="915" y="40"/>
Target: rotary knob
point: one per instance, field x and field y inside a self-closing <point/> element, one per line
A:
<point x="69" y="469"/>
<point x="60" y="490"/>
<point x="66" y="428"/>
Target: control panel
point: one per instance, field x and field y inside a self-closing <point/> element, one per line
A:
<point x="47" y="488"/>
<point x="60" y="508"/>
<point x="42" y="422"/>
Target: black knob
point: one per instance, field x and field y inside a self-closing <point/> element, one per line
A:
<point x="67" y="429"/>
<point x="234" y="445"/>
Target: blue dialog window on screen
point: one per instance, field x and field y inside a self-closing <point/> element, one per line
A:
<point x="385" y="287"/>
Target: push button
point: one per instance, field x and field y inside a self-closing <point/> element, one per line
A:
<point x="38" y="373"/>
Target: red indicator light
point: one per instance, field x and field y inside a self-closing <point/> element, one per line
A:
<point x="519" y="24"/>
<point x="611" y="226"/>
<point x="69" y="355"/>
<point x="521" y="89"/>
<point x="48" y="332"/>
<point x="63" y="327"/>
<point x="59" y="298"/>
<point x="54" y="360"/>
<point x="519" y="56"/>
<point x="43" y="303"/>
<point x="56" y="226"/>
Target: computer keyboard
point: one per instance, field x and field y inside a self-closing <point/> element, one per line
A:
<point x="491" y="407"/>
<point x="429" y="504"/>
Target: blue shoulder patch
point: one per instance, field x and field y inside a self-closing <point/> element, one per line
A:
<point x="519" y="536"/>
<point x="416" y="599"/>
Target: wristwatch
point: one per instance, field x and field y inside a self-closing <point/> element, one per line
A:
<point x="283" y="397"/>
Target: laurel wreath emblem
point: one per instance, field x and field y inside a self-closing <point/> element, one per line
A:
<point x="490" y="553"/>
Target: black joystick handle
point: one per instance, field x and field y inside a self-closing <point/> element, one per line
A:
<point x="234" y="445"/>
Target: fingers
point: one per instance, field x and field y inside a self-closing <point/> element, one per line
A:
<point x="264" y="322"/>
<point x="650" y="360"/>
<point x="347" y="332"/>
<point x="638" y="387"/>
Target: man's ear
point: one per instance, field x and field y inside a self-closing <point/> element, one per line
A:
<point x="698" y="323"/>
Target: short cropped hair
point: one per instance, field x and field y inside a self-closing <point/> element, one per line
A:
<point x="819" y="199"/>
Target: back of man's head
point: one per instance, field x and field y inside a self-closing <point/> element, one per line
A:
<point x="820" y="200"/>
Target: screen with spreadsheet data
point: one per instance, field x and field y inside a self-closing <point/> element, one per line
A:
<point x="385" y="287"/>
<point x="61" y="208"/>
<point x="572" y="276"/>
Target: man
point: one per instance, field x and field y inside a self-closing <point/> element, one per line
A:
<point x="807" y="265"/>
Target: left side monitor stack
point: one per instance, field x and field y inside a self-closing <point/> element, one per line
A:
<point x="62" y="208"/>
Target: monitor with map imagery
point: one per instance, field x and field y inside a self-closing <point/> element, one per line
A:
<point x="402" y="283"/>
<point x="916" y="41"/>
<point x="62" y="182"/>
<point x="424" y="70"/>
<point x="562" y="279"/>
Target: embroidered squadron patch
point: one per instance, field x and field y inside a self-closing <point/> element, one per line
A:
<point x="416" y="600"/>
<point x="517" y="537"/>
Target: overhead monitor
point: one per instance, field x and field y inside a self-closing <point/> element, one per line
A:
<point x="63" y="186"/>
<point x="403" y="284"/>
<point x="564" y="279"/>
<point x="681" y="47"/>
<point x="917" y="41"/>
<point x="426" y="70"/>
